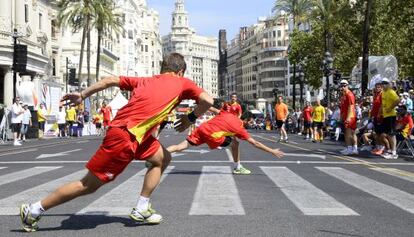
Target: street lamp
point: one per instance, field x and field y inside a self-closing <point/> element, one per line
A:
<point x="327" y="68"/>
<point x="15" y="36"/>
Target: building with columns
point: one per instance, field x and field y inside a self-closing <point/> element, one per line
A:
<point x="34" y="21"/>
<point x="200" y="52"/>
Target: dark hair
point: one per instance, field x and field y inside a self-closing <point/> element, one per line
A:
<point x="232" y="94"/>
<point x="173" y="62"/>
<point x="15" y="99"/>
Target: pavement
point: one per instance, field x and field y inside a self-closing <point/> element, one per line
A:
<point x="312" y="191"/>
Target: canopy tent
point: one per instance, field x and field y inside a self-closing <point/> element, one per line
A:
<point x="117" y="103"/>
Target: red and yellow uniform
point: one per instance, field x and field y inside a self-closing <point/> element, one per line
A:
<point x="129" y="136"/>
<point x="235" y="109"/>
<point x="346" y="101"/>
<point x="214" y="131"/>
<point x="407" y="125"/>
<point x="106" y="113"/>
<point x="376" y="106"/>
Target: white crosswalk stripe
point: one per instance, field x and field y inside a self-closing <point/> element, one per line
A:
<point x="396" y="173"/>
<point x="216" y="193"/>
<point x="120" y="200"/>
<point x="23" y="174"/>
<point x="306" y="197"/>
<point x="390" y="194"/>
<point x="2" y="168"/>
<point x="9" y="205"/>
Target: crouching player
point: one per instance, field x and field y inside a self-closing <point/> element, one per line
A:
<point x="219" y="132"/>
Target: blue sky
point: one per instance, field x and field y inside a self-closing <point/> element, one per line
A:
<point x="209" y="16"/>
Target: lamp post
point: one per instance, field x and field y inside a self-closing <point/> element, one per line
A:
<point x="301" y="81"/>
<point x="327" y="67"/>
<point x="15" y="36"/>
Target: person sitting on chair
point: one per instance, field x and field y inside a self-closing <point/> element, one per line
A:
<point x="404" y="123"/>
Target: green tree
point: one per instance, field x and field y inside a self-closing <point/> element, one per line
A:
<point x="106" y="20"/>
<point x="76" y="14"/>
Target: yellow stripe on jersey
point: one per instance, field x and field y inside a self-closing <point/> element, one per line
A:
<point x="220" y="134"/>
<point x="142" y="128"/>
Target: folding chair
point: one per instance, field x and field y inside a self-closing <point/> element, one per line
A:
<point x="406" y="143"/>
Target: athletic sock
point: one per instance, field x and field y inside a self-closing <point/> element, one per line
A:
<point x="36" y="209"/>
<point x="394" y="153"/>
<point x="355" y="147"/>
<point x="237" y="165"/>
<point x="143" y="203"/>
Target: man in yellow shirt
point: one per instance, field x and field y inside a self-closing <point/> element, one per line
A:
<point x="318" y="117"/>
<point x="41" y="119"/>
<point x="390" y="100"/>
<point x="71" y="118"/>
<point x="281" y="113"/>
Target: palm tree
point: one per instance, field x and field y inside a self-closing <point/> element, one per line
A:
<point x="106" y="19"/>
<point x="76" y="14"/>
<point x="300" y="11"/>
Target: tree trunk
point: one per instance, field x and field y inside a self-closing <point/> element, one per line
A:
<point x="365" y="48"/>
<point x="81" y="54"/>
<point x="98" y="54"/>
<point x="88" y="51"/>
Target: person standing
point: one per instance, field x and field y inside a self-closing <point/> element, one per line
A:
<point x="318" y="117"/>
<point x="41" y="119"/>
<point x="390" y="100"/>
<point x="16" y="120"/>
<point x="71" y="119"/>
<point x="106" y="112"/>
<point x="80" y="121"/>
<point x="26" y="122"/>
<point x="349" y="119"/>
<point x="376" y="116"/>
<point x="61" y="121"/>
<point x="307" y="121"/>
<point x="281" y="114"/>
<point x="408" y="102"/>
<point x="130" y="137"/>
<point x="235" y="108"/>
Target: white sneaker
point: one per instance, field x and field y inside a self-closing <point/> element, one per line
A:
<point x="354" y="152"/>
<point x="149" y="216"/>
<point x="350" y="152"/>
<point x="390" y="156"/>
<point x="344" y="151"/>
<point x="16" y="143"/>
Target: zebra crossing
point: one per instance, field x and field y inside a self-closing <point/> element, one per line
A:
<point x="217" y="192"/>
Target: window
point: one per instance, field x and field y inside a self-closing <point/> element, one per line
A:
<point x="146" y="48"/>
<point x="54" y="67"/>
<point x="26" y="13"/>
<point x="130" y="34"/>
<point x="40" y="21"/>
<point x="279" y="33"/>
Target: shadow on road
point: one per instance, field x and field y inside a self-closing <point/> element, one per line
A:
<point x="84" y="222"/>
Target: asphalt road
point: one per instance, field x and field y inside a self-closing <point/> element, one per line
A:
<point x="312" y="191"/>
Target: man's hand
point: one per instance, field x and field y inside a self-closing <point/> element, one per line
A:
<point x="75" y="98"/>
<point x="277" y="153"/>
<point x="182" y="123"/>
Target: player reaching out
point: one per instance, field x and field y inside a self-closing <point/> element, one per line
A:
<point x="130" y="137"/>
<point x="220" y="132"/>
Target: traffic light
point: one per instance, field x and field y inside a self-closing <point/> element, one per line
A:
<point x="20" y="57"/>
<point x="72" y="77"/>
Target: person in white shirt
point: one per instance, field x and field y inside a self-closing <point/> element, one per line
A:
<point x="61" y="121"/>
<point x="16" y="120"/>
<point x="26" y="122"/>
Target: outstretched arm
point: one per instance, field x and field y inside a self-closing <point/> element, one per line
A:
<point x="261" y="146"/>
<point x="214" y="110"/>
<point x="103" y="84"/>
<point x="176" y="148"/>
<point x="205" y="101"/>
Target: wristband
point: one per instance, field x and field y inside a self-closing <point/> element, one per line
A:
<point x="192" y="117"/>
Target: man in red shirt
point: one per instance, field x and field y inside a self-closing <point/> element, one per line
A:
<point x="129" y="137"/>
<point x="376" y="116"/>
<point x="404" y="124"/>
<point x="307" y="120"/>
<point x="235" y="107"/>
<point x="219" y="132"/>
<point x="349" y="119"/>
<point x="106" y="112"/>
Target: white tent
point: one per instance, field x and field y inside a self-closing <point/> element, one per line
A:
<point x="117" y="103"/>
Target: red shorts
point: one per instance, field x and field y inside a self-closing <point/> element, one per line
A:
<point x="199" y="136"/>
<point x="118" y="149"/>
<point x="352" y="124"/>
<point x="106" y="123"/>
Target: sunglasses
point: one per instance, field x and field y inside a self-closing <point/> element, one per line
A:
<point x="343" y="85"/>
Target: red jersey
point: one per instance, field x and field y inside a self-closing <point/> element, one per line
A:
<point x="235" y="109"/>
<point x="106" y="112"/>
<point x="307" y="113"/>
<point x="376" y="105"/>
<point x="214" y="131"/>
<point x="407" y="124"/>
<point x="347" y="100"/>
<point x="152" y="99"/>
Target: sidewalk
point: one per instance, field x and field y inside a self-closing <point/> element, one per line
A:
<point x="32" y="143"/>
